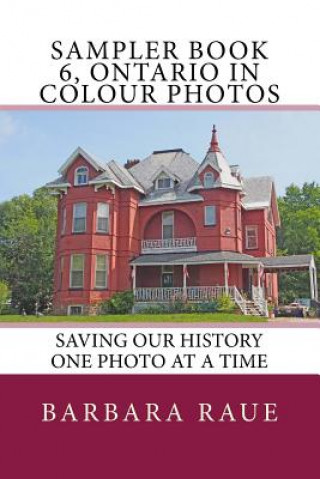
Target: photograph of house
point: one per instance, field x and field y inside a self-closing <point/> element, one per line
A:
<point x="169" y="228"/>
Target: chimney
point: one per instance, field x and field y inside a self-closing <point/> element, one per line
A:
<point x="235" y="171"/>
<point x="130" y="163"/>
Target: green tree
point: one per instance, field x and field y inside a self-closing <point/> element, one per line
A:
<point x="27" y="236"/>
<point x="299" y="234"/>
<point x="4" y="295"/>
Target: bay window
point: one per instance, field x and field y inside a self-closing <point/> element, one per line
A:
<point x="102" y="218"/>
<point x="77" y="271"/>
<point x="79" y="217"/>
<point x="101" y="276"/>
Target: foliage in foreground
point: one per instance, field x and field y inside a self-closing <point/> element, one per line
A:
<point x="223" y="304"/>
<point x="299" y="234"/>
<point x="27" y="237"/>
<point x="4" y="296"/>
<point x="120" y="303"/>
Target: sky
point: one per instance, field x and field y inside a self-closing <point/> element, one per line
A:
<point x="34" y="144"/>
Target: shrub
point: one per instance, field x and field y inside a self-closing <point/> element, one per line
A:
<point x="176" y="306"/>
<point x="208" y="307"/>
<point x="225" y="304"/>
<point x="120" y="303"/>
<point x="156" y="309"/>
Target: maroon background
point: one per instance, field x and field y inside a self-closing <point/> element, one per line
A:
<point x="286" y="449"/>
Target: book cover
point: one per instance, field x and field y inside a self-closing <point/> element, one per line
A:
<point x="159" y="239"/>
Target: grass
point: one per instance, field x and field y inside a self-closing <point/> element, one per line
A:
<point x="138" y="318"/>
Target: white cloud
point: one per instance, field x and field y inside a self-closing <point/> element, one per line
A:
<point x="8" y="126"/>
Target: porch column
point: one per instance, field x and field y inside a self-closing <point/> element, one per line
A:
<point x="259" y="279"/>
<point x="316" y="297"/>
<point x="312" y="285"/>
<point x="134" y="279"/>
<point x="226" y="277"/>
<point x="184" y="287"/>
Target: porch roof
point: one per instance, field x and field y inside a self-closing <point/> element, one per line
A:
<point x="288" y="263"/>
<point x="204" y="257"/>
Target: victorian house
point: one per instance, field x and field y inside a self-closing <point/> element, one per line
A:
<point x="168" y="228"/>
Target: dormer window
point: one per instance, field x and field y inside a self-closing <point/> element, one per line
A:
<point x="81" y="176"/>
<point x="164" y="182"/>
<point x="208" y="180"/>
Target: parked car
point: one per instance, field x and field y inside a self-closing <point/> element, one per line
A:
<point x="296" y="309"/>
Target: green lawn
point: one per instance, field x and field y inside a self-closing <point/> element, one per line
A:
<point x="138" y="318"/>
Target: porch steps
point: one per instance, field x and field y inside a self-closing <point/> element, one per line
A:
<point x="252" y="309"/>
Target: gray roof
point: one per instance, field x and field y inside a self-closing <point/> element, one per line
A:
<point x="257" y="191"/>
<point x="61" y="181"/>
<point x="182" y="167"/>
<point x="92" y="159"/>
<point x="290" y="261"/>
<point x="117" y="174"/>
<point x="178" y="162"/>
<point x="204" y="257"/>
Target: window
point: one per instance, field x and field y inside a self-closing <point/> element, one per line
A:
<point x="164" y="182"/>
<point x="167" y="276"/>
<point x="167" y="224"/>
<point x="208" y="180"/>
<point x="210" y="216"/>
<point x="63" y="220"/>
<point x="101" y="271"/>
<point x="77" y="271"/>
<point x="251" y="237"/>
<point x="81" y="176"/>
<point x="103" y="218"/>
<point x="79" y="217"/>
<point x="75" y="310"/>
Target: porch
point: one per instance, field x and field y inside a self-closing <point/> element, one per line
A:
<point x="204" y="276"/>
<point x="199" y="277"/>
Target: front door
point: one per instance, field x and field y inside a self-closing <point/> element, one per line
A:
<point x="247" y="276"/>
<point x="167" y="277"/>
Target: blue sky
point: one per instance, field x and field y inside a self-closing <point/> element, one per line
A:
<point x="33" y="144"/>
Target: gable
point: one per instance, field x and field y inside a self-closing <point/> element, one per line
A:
<point x="78" y="162"/>
<point x="89" y="159"/>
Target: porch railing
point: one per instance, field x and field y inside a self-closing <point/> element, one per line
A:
<point x="168" y="244"/>
<point x="193" y="293"/>
<point x="259" y="299"/>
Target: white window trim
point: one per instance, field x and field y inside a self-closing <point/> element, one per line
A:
<point x="75" y="182"/>
<point x="163" y="213"/>
<point x="205" y="215"/>
<point x="85" y="217"/>
<point x="70" y="272"/>
<point x="74" y="306"/>
<point x="206" y="175"/>
<point x="97" y="218"/>
<point x="255" y="227"/>
<point x="106" y="271"/>
<point x="164" y="187"/>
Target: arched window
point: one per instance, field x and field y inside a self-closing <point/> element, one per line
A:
<point x="81" y="176"/>
<point x="208" y="180"/>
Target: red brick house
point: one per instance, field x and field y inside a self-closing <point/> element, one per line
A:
<point x="169" y="228"/>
